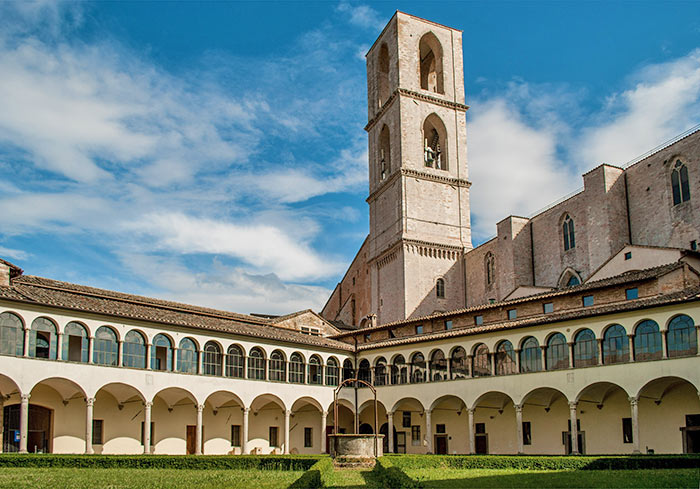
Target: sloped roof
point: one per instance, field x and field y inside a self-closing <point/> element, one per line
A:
<point x="43" y="291"/>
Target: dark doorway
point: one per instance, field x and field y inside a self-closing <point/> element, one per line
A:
<point x="366" y="429"/>
<point x="192" y="439"/>
<point x="441" y="444"/>
<point x="383" y="431"/>
<point x="39" y="435"/>
<point x="43" y="344"/>
<point x="691" y="434"/>
<point x="161" y="362"/>
<point x="75" y="348"/>
<point x="481" y="439"/>
<point x="400" y="446"/>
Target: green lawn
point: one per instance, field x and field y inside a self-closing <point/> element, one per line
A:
<point x="55" y="478"/>
<point x="507" y="478"/>
<point x="352" y="479"/>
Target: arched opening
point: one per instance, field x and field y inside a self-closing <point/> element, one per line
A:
<point x="266" y="428"/>
<point x="332" y="372"/>
<point x="305" y="433"/>
<point x="505" y="358"/>
<point x="11" y="334"/>
<point x="569" y="278"/>
<point x="418" y="368"/>
<point x="481" y="363"/>
<point x="346" y="419"/>
<point x="384" y="153"/>
<point x="435" y="143"/>
<point x="647" y="341"/>
<point x="134" y="349"/>
<point x="222" y="424"/>
<point x="399" y="370"/>
<point x="448" y="416"/>
<point x="568" y="235"/>
<point x="213" y="359"/>
<point x="173" y="429"/>
<point x="105" y="350"/>
<point x="438" y="366"/>
<point x="296" y="368"/>
<point x="601" y="411"/>
<point x="430" y="58"/>
<point x="278" y="366"/>
<point x="43" y="339"/>
<point x="235" y="362"/>
<point x="117" y="420"/>
<point x="348" y="369"/>
<point x="557" y="356"/>
<point x="680" y="183"/>
<point x="162" y="353"/>
<point x="585" y="349"/>
<point x="615" y="345"/>
<point x="256" y="364"/>
<point x="366" y="418"/>
<point x="383" y="76"/>
<point x="187" y="356"/>
<point x="364" y="372"/>
<point x="380" y="371"/>
<point x="545" y="416"/>
<point x="530" y="355"/>
<point x="440" y="288"/>
<point x="490" y="265"/>
<point x="75" y="343"/>
<point x="409" y="419"/>
<point x="682" y="338"/>
<point x="494" y="424"/>
<point x="315" y="370"/>
<point x="459" y="369"/>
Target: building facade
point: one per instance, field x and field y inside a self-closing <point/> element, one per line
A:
<point x="574" y="331"/>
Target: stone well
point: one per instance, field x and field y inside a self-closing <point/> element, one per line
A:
<point x="356" y="446"/>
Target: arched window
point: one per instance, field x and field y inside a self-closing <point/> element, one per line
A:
<point x="134" y="350"/>
<point x="435" y="143"/>
<point x="615" y="345"/>
<point x="383" y="75"/>
<point x="105" y="349"/>
<point x="505" y="358"/>
<point x="399" y="371"/>
<point x="211" y="363"/>
<point x="380" y="374"/>
<point x="162" y="353"/>
<point x="384" y="153"/>
<point x="458" y="364"/>
<point x="278" y="367"/>
<point x="235" y="362"/>
<point x="440" y="288"/>
<point x="490" y="264"/>
<point x="75" y="343"/>
<point x="348" y="369"/>
<point x="364" y="372"/>
<point x="679" y="183"/>
<point x="315" y="371"/>
<point x="430" y="58"/>
<point x="573" y="280"/>
<point x="438" y="366"/>
<point x="530" y="356"/>
<point x="585" y="349"/>
<point x="418" y="368"/>
<point x="682" y="337"/>
<point x="481" y="365"/>
<point x="557" y="352"/>
<point x="332" y="372"/>
<point x="256" y="364"/>
<point x="11" y="334"/>
<point x="43" y="339"/>
<point x="647" y="341"/>
<point x="568" y="233"/>
<point x="296" y="368"/>
<point x="187" y="356"/>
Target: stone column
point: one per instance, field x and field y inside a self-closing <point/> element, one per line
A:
<point x="174" y="361"/>
<point x="324" y="415"/>
<point x="23" y="422"/>
<point x="634" y="407"/>
<point x="287" y="414"/>
<point x="517" y="361"/>
<point x="574" y="428"/>
<point x="698" y="335"/>
<point x="429" y="430"/>
<point x="390" y="430"/>
<point x="472" y="435"/>
<point x="544" y="356"/>
<point x="519" y="427"/>
<point x="571" y="354"/>
<point x="630" y="341"/>
<point x="198" y="448"/>
<point x="600" y="351"/>
<point x="664" y="346"/>
<point x="149" y="348"/>
<point x="91" y="348"/>
<point x="2" y="422"/>
<point x="120" y="353"/>
<point x="244" y="443"/>
<point x="25" y="350"/>
<point x="59" y="346"/>
<point x="449" y="368"/>
<point x="492" y="363"/>
<point x="147" y="427"/>
<point x="200" y="359"/>
<point x="471" y="366"/>
<point x="90" y="401"/>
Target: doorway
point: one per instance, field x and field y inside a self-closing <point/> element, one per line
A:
<point x="192" y="439"/>
<point x="691" y="434"/>
<point x="441" y="444"/>
<point x="481" y="439"/>
<point x="384" y="431"/>
<point x="400" y="446"/>
<point x="39" y="434"/>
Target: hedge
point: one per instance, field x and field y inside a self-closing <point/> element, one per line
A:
<point x="392" y="476"/>
<point x="611" y="462"/>
<point x="269" y="462"/>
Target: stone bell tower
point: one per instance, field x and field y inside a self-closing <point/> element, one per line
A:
<point x="419" y="191"/>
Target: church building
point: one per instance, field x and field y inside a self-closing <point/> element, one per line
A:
<point x="571" y="331"/>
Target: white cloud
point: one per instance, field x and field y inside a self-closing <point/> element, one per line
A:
<point x="361" y="15"/>
<point x="13" y="254"/>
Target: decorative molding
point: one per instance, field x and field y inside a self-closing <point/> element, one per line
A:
<point x="457" y="182"/>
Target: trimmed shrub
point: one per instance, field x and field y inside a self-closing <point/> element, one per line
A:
<point x="392" y="476"/>
<point x="269" y="462"/>
<point x="551" y="462"/>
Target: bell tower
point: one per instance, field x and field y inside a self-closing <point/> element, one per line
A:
<point x="418" y="186"/>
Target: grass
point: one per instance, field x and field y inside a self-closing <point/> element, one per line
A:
<point x="512" y="478"/>
<point x="60" y="478"/>
<point x="352" y="479"/>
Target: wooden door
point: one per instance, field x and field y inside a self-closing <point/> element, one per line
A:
<point x="482" y="444"/>
<point x="191" y="439"/>
<point x="441" y="444"/>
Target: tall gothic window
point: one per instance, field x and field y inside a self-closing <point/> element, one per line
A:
<point x="430" y="52"/>
<point x="679" y="183"/>
<point x="384" y="153"/>
<point x="383" y="76"/>
<point x="490" y="263"/>
<point x="434" y="143"/>
<point x="568" y="233"/>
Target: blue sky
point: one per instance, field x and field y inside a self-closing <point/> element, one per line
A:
<point x="214" y="153"/>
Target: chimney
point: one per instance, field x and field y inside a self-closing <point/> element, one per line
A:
<point x="8" y="271"/>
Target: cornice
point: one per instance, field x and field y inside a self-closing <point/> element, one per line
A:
<point x="408" y="172"/>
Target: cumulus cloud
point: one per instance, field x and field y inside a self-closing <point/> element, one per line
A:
<point x="361" y="15"/>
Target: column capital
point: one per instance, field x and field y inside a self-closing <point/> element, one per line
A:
<point x="287" y="413"/>
<point x="246" y="411"/>
<point x="324" y="414"/>
<point x="390" y="414"/>
<point x="120" y="341"/>
<point x="25" y="397"/>
<point x="630" y="335"/>
<point x="599" y="340"/>
<point x="148" y="404"/>
<point x="570" y="343"/>
<point x="90" y="401"/>
<point x="633" y="400"/>
<point x="517" y="350"/>
<point x="471" y="410"/>
<point x="573" y="405"/>
<point x="428" y="412"/>
<point x="518" y="408"/>
<point x="200" y="408"/>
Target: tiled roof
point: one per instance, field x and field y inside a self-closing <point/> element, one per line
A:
<point x="627" y="277"/>
<point x="15" y="271"/>
<point x="686" y="295"/>
<point x="43" y="291"/>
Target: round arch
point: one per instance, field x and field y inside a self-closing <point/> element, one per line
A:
<point x="411" y="402"/>
<point x="453" y="402"/>
<point x="121" y="392"/>
<point x="172" y="396"/>
<point x="264" y="399"/>
<point x="598" y="392"/>
<point x="66" y="388"/>
<point x="499" y="400"/>
<point x="306" y="400"/>
<point x="658" y="388"/>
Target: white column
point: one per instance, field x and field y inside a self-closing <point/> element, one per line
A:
<point x="697" y="327"/>
<point x="90" y="401"/>
<point x="245" y="431"/>
<point x="324" y="414"/>
<point x="471" y="366"/>
<point x="634" y="407"/>
<point x="287" y="414"/>
<point x="198" y="448"/>
<point x="25" y="351"/>
<point x="120" y="354"/>
<point x="664" y="348"/>
<point x="600" y="351"/>
<point x="574" y="428"/>
<point x="2" y="422"/>
<point x="23" y="422"/>
<point x="472" y="435"/>
<point x="59" y="346"/>
<point x="517" y="361"/>
<point x="200" y="359"/>
<point x="630" y="342"/>
<point x="147" y="427"/>
<point x="429" y="430"/>
<point x="390" y="430"/>
<point x="91" y="348"/>
<point x="571" y="354"/>
<point x="149" y="347"/>
<point x="519" y="427"/>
